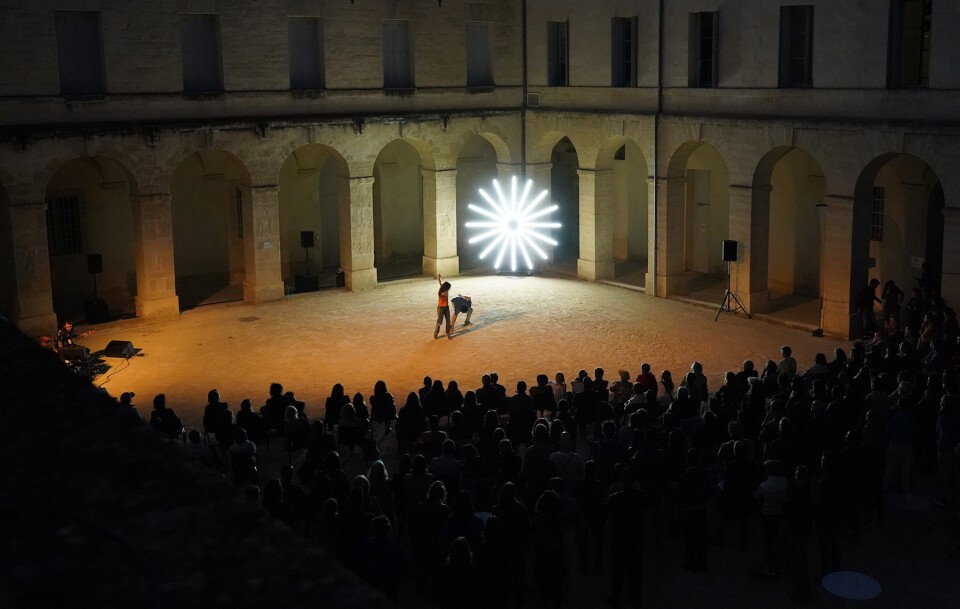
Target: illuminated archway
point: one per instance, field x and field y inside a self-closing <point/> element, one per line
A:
<point x="207" y="191"/>
<point x="90" y="211"/>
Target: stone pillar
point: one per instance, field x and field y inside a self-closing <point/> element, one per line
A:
<point x="34" y="298"/>
<point x="440" y="222"/>
<point x="950" y="274"/>
<point x="356" y="235"/>
<point x="261" y="244"/>
<point x="596" y="225"/>
<point x="156" y="275"/>
<point x="836" y="266"/>
<point x="649" y="280"/>
<point x="671" y="231"/>
<point x="750" y="227"/>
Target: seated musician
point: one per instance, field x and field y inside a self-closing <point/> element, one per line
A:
<point x="65" y="336"/>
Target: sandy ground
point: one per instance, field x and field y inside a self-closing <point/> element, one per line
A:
<point x="523" y="325"/>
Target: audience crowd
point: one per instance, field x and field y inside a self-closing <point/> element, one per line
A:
<point x="501" y="494"/>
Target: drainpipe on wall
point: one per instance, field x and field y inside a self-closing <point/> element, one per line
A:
<point x="523" y="104"/>
<point x="656" y="150"/>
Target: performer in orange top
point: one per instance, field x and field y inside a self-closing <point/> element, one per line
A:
<point x="443" y="307"/>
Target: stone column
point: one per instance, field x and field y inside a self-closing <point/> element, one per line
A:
<point x="261" y="244"/>
<point x="950" y="273"/>
<point x="156" y="275"/>
<point x="836" y="266"/>
<point x="440" y="222"/>
<point x="34" y="298"/>
<point x="649" y="280"/>
<point x="671" y="230"/>
<point x="750" y="227"/>
<point x="356" y="235"/>
<point x="596" y="225"/>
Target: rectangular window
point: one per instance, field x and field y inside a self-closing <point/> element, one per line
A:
<point x="200" y="47"/>
<point x="479" y="54"/>
<point x="796" y="46"/>
<point x="306" y="53"/>
<point x="63" y="225"/>
<point x="397" y="55"/>
<point x="558" y="53"/>
<point x="876" y="216"/>
<point x="623" y="52"/>
<point x="910" y="24"/>
<point x="78" y="52"/>
<point x="703" y="46"/>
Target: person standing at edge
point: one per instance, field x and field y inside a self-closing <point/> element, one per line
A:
<point x="443" y="306"/>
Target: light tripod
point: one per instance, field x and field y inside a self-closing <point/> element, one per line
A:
<point x="729" y="300"/>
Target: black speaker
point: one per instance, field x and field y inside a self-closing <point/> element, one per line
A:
<point x="306" y="238"/>
<point x="729" y="250"/>
<point x="119" y="348"/>
<point x="76" y="353"/>
<point x="94" y="263"/>
<point x="95" y="311"/>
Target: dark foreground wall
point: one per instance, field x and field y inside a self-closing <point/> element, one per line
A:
<point x="96" y="510"/>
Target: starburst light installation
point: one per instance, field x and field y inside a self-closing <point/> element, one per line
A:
<point x="512" y="224"/>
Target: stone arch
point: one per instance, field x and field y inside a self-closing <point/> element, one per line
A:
<point x="897" y="222"/>
<point x="565" y="194"/>
<point x="314" y="196"/>
<point x="494" y="140"/>
<point x="404" y="195"/>
<point x="209" y="189"/>
<point x="479" y="162"/>
<point x="90" y="210"/>
<point x="694" y="220"/>
<point x="621" y="200"/>
<point x="786" y="265"/>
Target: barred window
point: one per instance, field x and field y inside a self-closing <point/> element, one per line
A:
<point x="876" y="217"/>
<point x="63" y="225"/>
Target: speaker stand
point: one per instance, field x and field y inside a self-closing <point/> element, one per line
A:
<point x="731" y="302"/>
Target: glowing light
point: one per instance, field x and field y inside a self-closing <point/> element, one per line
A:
<point x="510" y="222"/>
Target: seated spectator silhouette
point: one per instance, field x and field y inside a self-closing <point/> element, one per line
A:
<point x="274" y="409"/>
<point x="292" y="400"/>
<point x="432" y="439"/>
<point x="295" y="428"/>
<point x="333" y="406"/>
<point x="164" y="419"/>
<point x="457" y="583"/>
<point x="411" y="423"/>
<point x="274" y="504"/>
<point x="446" y="467"/>
<point x="352" y="428"/>
<point x="323" y="528"/>
<point x="251" y="421"/>
<point x="462" y="522"/>
<point x="383" y="408"/>
<point x="382" y="559"/>
<point x="425" y="535"/>
<point x="243" y="459"/>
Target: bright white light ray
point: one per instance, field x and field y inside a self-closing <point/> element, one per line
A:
<point x="509" y="222"/>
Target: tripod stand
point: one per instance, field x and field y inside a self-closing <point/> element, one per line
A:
<point x="729" y="300"/>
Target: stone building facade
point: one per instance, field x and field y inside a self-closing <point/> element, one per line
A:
<point x="190" y="143"/>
